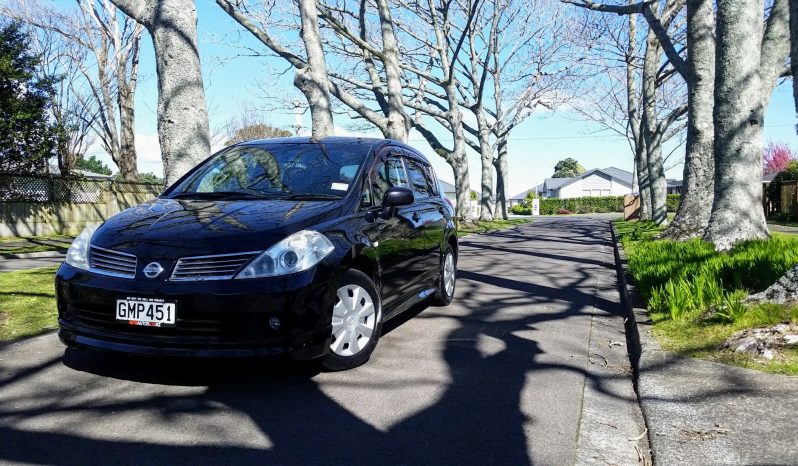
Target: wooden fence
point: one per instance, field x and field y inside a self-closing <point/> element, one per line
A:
<point x="36" y="205"/>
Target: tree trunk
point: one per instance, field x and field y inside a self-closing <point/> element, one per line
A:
<point x="501" y="175"/>
<point x="486" y="157"/>
<point x="313" y="80"/>
<point x="397" y="120"/>
<point x="183" y="130"/>
<point x="127" y="136"/>
<point x="643" y="180"/>
<point x="692" y="216"/>
<point x="738" y="116"/>
<point x="657" y="183"/>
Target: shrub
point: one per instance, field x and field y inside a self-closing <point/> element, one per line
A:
<point x="521" y="210"/>
<point x="672" y="202"/>
<point x="682" y="280"/>
<point x="564" y="212"/>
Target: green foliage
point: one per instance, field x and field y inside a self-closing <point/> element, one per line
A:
<point x="576" y="205"/>
<point x="682" y="280"/>
<point x="473" y="196"/>
<point x="567" y="168"/>
<point x="27" y="137"/>
<point x="150" y="178"/>
<point x="92" y="164"/>
<point x="672" y="202"/>
<point x="530" y="196"/>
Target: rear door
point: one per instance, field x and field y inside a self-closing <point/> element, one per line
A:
<point x="429" y="209"/>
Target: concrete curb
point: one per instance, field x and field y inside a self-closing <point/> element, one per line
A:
<point x="34" y="255"/>
<point x="702" y="412"/>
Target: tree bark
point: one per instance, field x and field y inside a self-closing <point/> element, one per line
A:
<point x="737" y="213"/>
<point x="694" y="210"/>
<point x="398" y="123"/>
<point x="183" y="130"/>
<point x="501" y="175"/>
<point x="657" y="183"/>
<point x="643" y="180"/>
<point x="312" y="80"/>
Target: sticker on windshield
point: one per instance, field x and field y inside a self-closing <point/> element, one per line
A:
<point x="339" y="187"/>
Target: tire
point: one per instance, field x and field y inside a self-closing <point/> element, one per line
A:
<point x="445" y="293"/>
<point x="351" y="344"/>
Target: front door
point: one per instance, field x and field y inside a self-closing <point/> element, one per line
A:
<point x="400" y="239"/>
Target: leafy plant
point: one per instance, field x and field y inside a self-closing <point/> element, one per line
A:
<point x="733" y="308"/>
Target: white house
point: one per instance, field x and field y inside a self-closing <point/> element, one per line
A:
<point x="450" y="193"/>
<point x="608" y="181"/>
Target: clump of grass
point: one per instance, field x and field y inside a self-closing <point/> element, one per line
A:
<point x="696" y="295"/>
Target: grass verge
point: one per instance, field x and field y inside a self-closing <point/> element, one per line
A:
<point x="695" y="295"/>
<point x="487" y="227"/>
<point x="27" y="303"/>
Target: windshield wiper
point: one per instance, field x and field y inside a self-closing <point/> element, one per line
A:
<point x="309" y="197"/>
<point x="219" y="195"/>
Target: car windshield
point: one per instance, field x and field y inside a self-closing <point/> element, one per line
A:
<point x="301" y="170"/>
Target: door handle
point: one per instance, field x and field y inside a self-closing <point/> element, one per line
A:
<point x="416" y="217"/>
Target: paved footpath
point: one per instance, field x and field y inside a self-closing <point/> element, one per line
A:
<point x="527" y="365"/>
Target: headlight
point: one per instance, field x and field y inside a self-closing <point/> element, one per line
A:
<point x="78" y="254"/>
<point x="296" y="253"/>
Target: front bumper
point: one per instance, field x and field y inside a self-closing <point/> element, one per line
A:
<point x="224" y="318"/>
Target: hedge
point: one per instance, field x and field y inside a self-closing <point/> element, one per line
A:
<point x="585" y="205"/>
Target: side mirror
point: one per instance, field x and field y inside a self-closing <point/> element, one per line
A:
<point x="395" y="197"/>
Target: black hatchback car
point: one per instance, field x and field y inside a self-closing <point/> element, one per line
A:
<point x="281" y="246"/>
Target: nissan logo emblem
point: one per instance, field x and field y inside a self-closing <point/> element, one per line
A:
<point x="152" y="270"/>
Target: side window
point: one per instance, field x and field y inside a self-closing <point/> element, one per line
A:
<point x="386" y="174"/>
<point x="421" y="184"/>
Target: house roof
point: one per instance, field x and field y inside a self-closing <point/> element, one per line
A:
<point x="54" y="170"/>
<point x="448" y="188"/>
<point x="615" y="173"/>
<point x="522" y="196"/>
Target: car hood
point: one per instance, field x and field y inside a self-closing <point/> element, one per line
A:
<point x="170" y="229"/>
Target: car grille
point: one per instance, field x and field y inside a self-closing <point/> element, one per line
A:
<point x="217" y="267"/>
<point x="108" y="262"/>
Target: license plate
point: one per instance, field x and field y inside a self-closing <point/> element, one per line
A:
<point x="149" y="312"/>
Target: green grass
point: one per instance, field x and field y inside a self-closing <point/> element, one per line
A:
<point x="27" y="303"/>
<point x="34" y="244"/>
<point x="487" y="227"/>
<point x="695" y="295"/>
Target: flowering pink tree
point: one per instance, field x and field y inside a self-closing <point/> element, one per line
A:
<point x="776" y="156"/>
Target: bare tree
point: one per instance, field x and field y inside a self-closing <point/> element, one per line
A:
<point x="250" y="125"/>
<point x="637" y="97"/>
<point x="698" y="71"/>
<point x="746" y="70"/>
<point x="183" y="129"/>
<point x="72" y="111"/>
<point x="112" y="40"/>
<point x="375" y="48"/>
<point x="311" y="71"/>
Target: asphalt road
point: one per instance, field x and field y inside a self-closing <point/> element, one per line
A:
<point x="501" y="376"/>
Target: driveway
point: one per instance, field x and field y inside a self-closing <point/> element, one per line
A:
<point x="521" y="368"/>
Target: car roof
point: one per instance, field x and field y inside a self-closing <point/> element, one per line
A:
<point x="373" y="143"/>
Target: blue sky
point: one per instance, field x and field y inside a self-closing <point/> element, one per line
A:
<point x="232" y="82"/>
